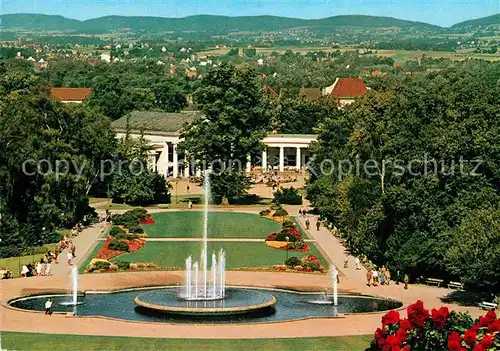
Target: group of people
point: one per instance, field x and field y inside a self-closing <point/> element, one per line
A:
<point x="272" y="177"/>
<point x="382" y="276"/>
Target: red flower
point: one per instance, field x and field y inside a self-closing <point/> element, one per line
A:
<point x="402" y="336"/>
<point x="495" y="326"/>
<point x="392" y="317"/>
<point x="406" y="348"/>
<point x="478" y="347"/>
<point x="490" y="317"/>
<point x="475" y="327"/>
<point x="454" y="345"/>
<point x="381" y="342"/>
<point x="387" y="348"/>
<point x="405" y="324"/>
<point x="487" y="341"/>
<point x="470" y="337"/>
<point x="417" y="314"/>
<point x="392" y="340"/>
<point x="379" y="333"/>
<point x="440" y="316"/>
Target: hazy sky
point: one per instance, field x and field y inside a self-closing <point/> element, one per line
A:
<point x="440" y="12"/>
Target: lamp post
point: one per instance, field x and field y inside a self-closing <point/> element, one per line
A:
<point x="286" y="251"/>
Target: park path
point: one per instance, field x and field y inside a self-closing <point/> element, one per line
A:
<point x="84" y="243"/>
<point x="334" y="251"/>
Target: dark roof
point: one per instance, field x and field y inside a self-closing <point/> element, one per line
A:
<point x="156" y="121"/>
<point x="348" y="87"/>
<point x="70" y="94"/>
<point x="311" y="94"/>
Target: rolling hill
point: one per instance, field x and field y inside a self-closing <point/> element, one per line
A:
<point x="198" y="23"/>
<point x="213" y="24"/>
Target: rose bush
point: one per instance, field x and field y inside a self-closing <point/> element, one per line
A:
<point x="438" y="330"/>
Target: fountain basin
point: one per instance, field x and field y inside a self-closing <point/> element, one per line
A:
<point x="237" y="301"/>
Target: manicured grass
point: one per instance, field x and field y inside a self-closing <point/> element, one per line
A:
<point x="189" y="224"/>
<point x="29" y="341"/>
<point x="238" y="254"/>
<point x="85" y="263"/>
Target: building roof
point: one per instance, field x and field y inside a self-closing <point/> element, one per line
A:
<point x="156" y="121"/>
<point x="70" y="94"/>
<point x="348" y="88"/>
<point x="310" y="94"/>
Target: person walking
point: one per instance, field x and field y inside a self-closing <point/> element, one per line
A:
<point x="70" y="257"/>
<point x="346" y="261"/>
<point x="39" y="267"/>
<point x="318" y="224"/>
<point x="48" y="307"/>
<point x="24" y="271"/>
<point x="307" y="223"/>
<point x="357" y="263"/>
<point x="73" y="250"/>
<point x="47" y="268"/>
<point x="387" y="277"/>
<point x="398" y="277"/>
<point x="375" y="277"/>
<point x="369" y="276"/>
<point x="406" y="280"/>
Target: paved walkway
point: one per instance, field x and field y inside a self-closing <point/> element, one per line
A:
<point x="84" y="243"/>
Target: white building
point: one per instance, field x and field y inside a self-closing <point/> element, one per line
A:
<point x="281" y="152"/>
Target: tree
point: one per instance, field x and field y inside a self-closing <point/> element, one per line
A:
<point x="235" y="118"/>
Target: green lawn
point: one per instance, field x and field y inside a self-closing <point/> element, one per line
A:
<point x="85" y="263"/>
<point x="189" y="224"/>
<point x="238" y="254"/>
<point x="28" y="341"/>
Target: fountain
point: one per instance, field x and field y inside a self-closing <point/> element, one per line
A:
<point x="204" y="289"/>
<point x="334" y="298"/>
<point x="74" y="289"/>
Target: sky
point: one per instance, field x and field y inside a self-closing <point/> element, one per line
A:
<point x="439" y="12"/>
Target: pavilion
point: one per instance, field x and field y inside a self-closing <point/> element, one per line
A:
<point x="282" y="152"/>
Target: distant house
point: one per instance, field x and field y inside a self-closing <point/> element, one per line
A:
<point x="310" y="94"/>
<point x="346" y="90"/>
<point x="106" y="57"/>
<point x="70" y="95"/>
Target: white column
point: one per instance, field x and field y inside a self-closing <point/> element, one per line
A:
<point x="264" y="159"/>
<point x="162" y="163"/>
<point x="198" y="171"/>
<point x="176" y="162"/>
<point x="186" y="165"/>
<point x="249" y="164"/>
<point x="298" y="158"/>
<point x="282" y="158"/>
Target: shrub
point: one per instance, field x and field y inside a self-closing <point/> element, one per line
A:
<point x="292" y="262"/>
<point x="123" y="265"/>
<point x="290" y="196"/>
<point x="101" y="265"/>
<point x="118" y="245"/>
<point x="53" y="237"/>
<point x="311" y="265"/>
<point x="264" y="213"/>
<point x="116" y="231"/>
<point x="9" y="251"/>
<point x="126" y="236"/>
<point x="288" y="224"/>
<point x="280" y="212"/>
<point x="136" y="229"/>
<point x="275" y="206"/>
<point x="292" y="233"/>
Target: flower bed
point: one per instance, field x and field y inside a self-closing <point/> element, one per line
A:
<point x="283" y="268"/>
<point x="276" y="244"/>
<point x="148" y="220"/>
<point x="106" y="253"/>
<point x="438" y="330"/>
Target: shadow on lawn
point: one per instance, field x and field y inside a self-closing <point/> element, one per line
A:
<point x="468" y="298"/>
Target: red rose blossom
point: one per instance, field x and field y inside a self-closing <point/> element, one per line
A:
<point x="387" y="348"/>
<point x="381" y="342"/>
<point x="405" y="324"/>
<point x="417" y="315"/>
<point x="487" y="341"/>
<point x="406" y="348"/>
<point x="454" y="345"/>
<point x="379" y="333"/>
<point x="402" y="336"/>
<point x="478" y="347"/>
<point x="470" y="337"/>
<point x="440" y="316"/>
<point x="495" y="326"/>
<point x="392" y="317"/>
<point x="475" y="327"/>
<point x="392" y="340"/>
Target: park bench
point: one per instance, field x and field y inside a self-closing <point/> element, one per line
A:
<point x="488" y="306"/>
<point x="434" y="281"/>
<point x="455" y="285"/>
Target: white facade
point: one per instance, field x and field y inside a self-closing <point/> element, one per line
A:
<point x="281" y="152"/>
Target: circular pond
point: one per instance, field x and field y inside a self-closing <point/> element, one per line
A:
<point x="287" y="305"/>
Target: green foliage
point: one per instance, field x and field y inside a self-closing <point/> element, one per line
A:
<point x="115" y="231"/>
<point x="135" y="228"/>
<point x="275" y="206"/>
<point x="119" y="245"/>
<point x="293" y="261"/>
<point x="288" y="224"/>
<point x="100" y="265"/>
<point x="290" y="196"/>
<point x="431" y="219"/>
<point x="280" y="212"/>
<point x="123" y="265"/>
<point x="264" y="213"/>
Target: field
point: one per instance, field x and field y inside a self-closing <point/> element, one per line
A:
<point x="28" y="341"/>
<point x="238" y="254"/>
<point x="189" y="224"/>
